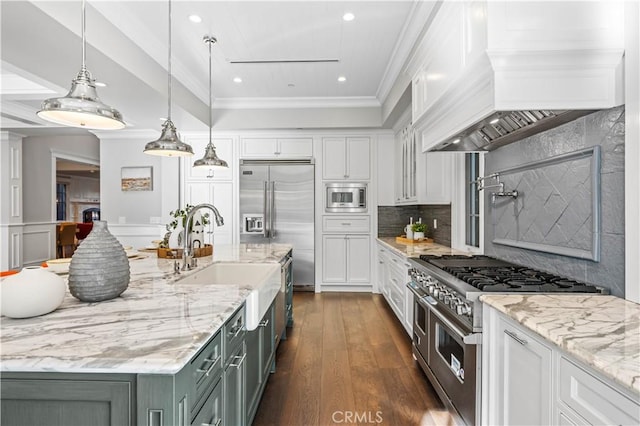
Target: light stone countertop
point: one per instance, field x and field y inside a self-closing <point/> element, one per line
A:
<point x="601" y="331"/>
<point x="154" y="327"/>
<point x="415" y="250"/>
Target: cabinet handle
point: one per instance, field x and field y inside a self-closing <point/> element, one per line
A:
<point x="218" y="423"/>
<point x="346" y="224"/>
<point x="213" y="362"/>
<point x="235" y="330"/>
<point x="515" y="337"/>
<point x="210" y="174"/>
<point x="380" y="262"/>
<point x="239" y="362"/>
<point x="264" y="323"/>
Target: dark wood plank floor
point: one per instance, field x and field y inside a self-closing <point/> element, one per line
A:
<point x="347" y="360"/>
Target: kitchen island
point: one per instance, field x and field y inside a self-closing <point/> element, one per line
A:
<point x="141" y="344"/>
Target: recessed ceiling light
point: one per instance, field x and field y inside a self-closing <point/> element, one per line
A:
<point x="100" y="84"/>
<point x="494" y="121"/>
<point x="348" y="16"/>
<point x="195" y="19"/>
<point x="237" y="80"/>
<point x="457" y="140"/>
<point x="342" y="79"/>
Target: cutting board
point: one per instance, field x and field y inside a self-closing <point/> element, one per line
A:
<point x="403" y="240"/>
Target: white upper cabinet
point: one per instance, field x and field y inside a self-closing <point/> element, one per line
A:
<point x="346" y="158"/>
<point x="485" y="56"/>
<point x="224" y="149"/>
<point x="421" y="178"/>
<point x="276" y="148"/>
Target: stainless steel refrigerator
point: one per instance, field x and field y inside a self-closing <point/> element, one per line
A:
<point x="277" y="206"/>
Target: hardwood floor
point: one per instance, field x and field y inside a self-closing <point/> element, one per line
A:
<point x="347" y="360"/>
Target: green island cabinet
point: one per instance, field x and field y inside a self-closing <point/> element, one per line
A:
<point x="220" y="386"/>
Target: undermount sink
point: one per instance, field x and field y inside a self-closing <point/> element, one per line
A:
<point x="262" y="278"/>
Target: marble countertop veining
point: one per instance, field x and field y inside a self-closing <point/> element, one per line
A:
<point x="415" y="250"/>
<point x="155" y="326"/>
<point x="601" y="331"/>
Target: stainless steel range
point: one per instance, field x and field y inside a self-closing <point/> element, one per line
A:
<point x="447" y="326"/>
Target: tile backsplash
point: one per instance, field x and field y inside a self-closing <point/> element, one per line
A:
<point x="393" y="219"/>
<point x="604" y="128"/>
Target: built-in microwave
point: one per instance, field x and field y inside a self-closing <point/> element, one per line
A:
<point x="346" y="197"/>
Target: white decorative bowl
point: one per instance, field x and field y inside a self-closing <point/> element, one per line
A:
<point x="59" y="266"/>
<point x="31" y="292"/>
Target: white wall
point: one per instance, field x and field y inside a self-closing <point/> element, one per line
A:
<point x="38" y="152"/>
<point x="38" y="164"/>
<point x="136" y="217"/>
<point x="632" y="151"/>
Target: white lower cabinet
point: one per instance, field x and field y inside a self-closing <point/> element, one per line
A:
<point x="593" y="400"/>
<point x="528" y="380"/>
<point x="519" y="371"/>
<point x="393" y="276"/>
<point x="382" y="271"/>
<point x="346" y="259"/>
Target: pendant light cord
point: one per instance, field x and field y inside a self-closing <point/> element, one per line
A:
<point x="210" y="42"/>
<point x="169" y="106"/>
<point x="84" y="41"/>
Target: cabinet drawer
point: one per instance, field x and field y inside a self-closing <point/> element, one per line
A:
<point x="234" y="331"/>
<point x="206" y="368"/>
<point x="211" y="411"/>
<point x="346" y="224"/>
<point x="593" y="399"/>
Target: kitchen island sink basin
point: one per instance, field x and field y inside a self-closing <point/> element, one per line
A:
<point x="263" y="279"/>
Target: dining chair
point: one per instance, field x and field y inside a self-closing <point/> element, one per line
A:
<point x="66" y="239"/>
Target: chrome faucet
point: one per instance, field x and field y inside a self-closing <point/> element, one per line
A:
<point x="501" y="193"/>
<point x="187" y="256"/>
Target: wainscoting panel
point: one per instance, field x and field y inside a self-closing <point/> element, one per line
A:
<point x="39" y="243"/>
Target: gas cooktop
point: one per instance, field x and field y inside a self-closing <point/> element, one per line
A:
<point x="494" y="275"/>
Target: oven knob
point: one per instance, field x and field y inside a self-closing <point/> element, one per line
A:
<point x="462" y="309"/>
<point x="435" y="291"/>
<point x="447" y="299"/>
<point x="442" y="294"/>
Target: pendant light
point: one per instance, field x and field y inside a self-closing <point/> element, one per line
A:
<point x="81" y="107"/>
<point x="169" y="143"/>
<point x="210" y="158"/>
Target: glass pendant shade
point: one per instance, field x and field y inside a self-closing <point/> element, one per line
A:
<point x="169" y="143"/>
<point x="82" y="107"/>
<point x="210" y="159"/>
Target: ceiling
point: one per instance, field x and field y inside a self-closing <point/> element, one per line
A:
<point x="295" y="50"/>
<point x="74" y="168"/>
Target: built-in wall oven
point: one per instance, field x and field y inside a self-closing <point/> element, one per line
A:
<point x="447" y="326"/>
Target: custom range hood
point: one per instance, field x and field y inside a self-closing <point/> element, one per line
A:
<point x="504" y="127"/>
<point x="489" y="73"/>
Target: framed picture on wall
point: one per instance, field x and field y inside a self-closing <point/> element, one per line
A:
<point x="137" y="178"/>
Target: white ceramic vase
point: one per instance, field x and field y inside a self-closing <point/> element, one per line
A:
<point x="31" y="292"/>
<point x="418" y="235"/>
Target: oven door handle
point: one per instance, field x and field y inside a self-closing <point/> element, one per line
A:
<point x="467" y="338"/>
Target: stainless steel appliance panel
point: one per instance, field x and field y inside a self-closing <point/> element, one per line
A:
<point x="282" y="195"/>
<point x="253" y="201"/>
<point x="292" y="214"/>
<point x="455" y="364"/>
